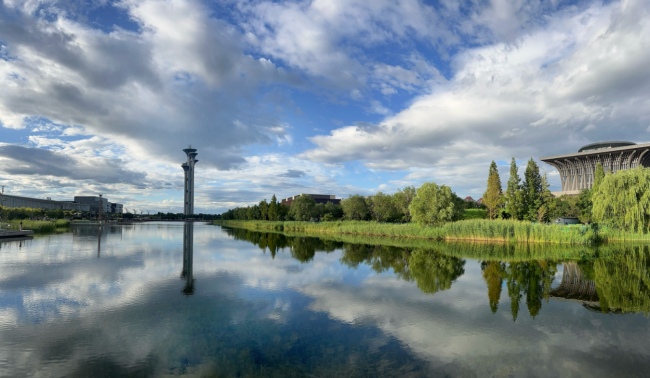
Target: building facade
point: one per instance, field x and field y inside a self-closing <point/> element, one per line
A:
<point x="188" y="168"/>
<point x="577" y="169"/>
<point x="37" y="203"/>
<point x="319" y="198"/>
<point x="93" y="204"/>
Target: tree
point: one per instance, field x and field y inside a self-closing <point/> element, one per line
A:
<point x="599" y="176"/>
<point x="302" y="208"/>
<point x="585" y="204"/>
<point x="333" y="211"/>
<point x="623" y="200"/>
<point x="273" y="209"/>
<point x="253" y="213"/>
<point x="513" y="197"/>
<point x="403" y="199"/>
<point x="264" y="209"/>
<point x="433" y="204"/>
<point x="355" y="207"/>
<point x="382" y="207"/>
<point x="532" y="191"/>
<point x="493" y="196"/>
<point x="546" y="198"/>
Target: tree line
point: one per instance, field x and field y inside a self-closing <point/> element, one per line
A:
<point x="620" y="199"/>
<point x="429" y="204"/>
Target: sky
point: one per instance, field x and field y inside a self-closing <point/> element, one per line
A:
<point x="324" y="96"/>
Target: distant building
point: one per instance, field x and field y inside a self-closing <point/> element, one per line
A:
<point x="38" y="203"/>
<point x="93" y="203"/>
<point x="469" y="199"/>
<point x="319" y="198"/>
<point x="479" y="201"/>
<point x="577" y="169"/>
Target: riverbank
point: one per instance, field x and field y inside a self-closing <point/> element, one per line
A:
<point x="504" y="231"/>
<point x="36" y="226"/>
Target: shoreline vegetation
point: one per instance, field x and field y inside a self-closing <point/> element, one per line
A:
<point x="472" y="230"/>
<point x="37" y="226"/>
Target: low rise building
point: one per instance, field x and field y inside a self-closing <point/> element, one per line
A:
<point x="38" y="203"/>
<point x="319" y="198"/>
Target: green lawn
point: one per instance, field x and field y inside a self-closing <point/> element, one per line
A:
<point x="475" y="214"/>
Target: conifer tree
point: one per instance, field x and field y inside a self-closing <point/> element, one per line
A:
<point x="493" y="196"/>
<point x="513" y="192"/>
<point x="532" y="191"/>
<point x="544" y="213"/>
<point x="273" y="209"/>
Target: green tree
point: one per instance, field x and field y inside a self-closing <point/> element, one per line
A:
<point x="273" y="209"/>
<point x="513" y="196"/>
<point x="382" y="207"/>
<point x="599" y="176"/>
<point x="302" y="208"/>
<point x="403" y="199"/>
<point x="493" y="196"/>
<point x="546" y="199"/>
<point x="532" y="191"/>
<point x="264" y="209"/>
<point x="585" y="204"/>
<point x="623" y="200"/>
<point x="333" y="211"/>
<point x="355" y="207"/>
<point x="433" y="204"/>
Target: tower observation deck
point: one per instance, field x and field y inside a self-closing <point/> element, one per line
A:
<point x="188" y="167"/>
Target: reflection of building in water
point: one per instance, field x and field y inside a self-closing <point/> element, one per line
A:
<point x="188" y="257"/>
<point x="576" y="287"/>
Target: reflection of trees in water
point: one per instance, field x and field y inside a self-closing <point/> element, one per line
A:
<point x="533" y="279"/>
<point x="493" y="273"/>
<point x="623" y="281"/>
<point x="433" y="271"/>
<point x="302" y="248"/>
<point x="379" y="257"/>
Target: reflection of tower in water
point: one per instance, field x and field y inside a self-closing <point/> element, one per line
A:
<point x="188" y="257"/>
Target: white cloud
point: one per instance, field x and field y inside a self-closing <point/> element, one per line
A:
<point x="531" y="97"/>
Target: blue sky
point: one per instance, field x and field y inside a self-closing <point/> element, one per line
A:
<point x="288" y="97"/>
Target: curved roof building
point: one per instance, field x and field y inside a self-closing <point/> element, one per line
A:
<point x="577" y="169"/>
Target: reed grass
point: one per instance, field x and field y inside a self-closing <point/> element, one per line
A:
<point x="470" y="230"/>
<point x="37" y="226"/>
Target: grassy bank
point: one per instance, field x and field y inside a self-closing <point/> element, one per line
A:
<point x="469" y="230"/>
<point x="37" y="226"/>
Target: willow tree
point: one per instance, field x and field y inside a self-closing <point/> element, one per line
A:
<point x="493" y="196"/>
<point x="623" y="200"/>
<point x="599" y="176"/>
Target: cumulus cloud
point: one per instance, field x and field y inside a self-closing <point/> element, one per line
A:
<point x="580" y="78"/>
<point x="18" y="160"/>
<point x="182" y="79"/>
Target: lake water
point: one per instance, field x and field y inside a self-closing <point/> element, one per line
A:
<point x="196" y="300"/>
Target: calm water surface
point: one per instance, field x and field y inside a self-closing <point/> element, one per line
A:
<point x="195" y="300"/>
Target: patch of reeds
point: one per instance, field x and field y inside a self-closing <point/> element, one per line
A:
<point x="37" y="226"/>
<point x="470" y="230"/>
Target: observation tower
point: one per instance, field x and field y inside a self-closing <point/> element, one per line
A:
<point x="188" y="167"/>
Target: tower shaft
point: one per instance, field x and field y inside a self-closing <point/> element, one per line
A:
<point x="188" y="167"/>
